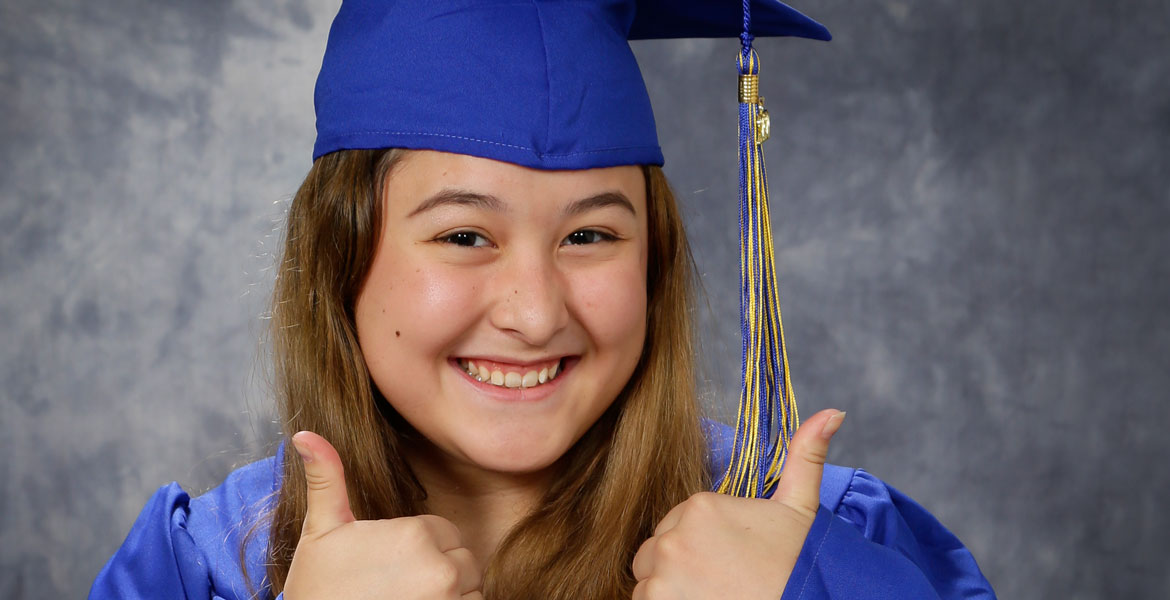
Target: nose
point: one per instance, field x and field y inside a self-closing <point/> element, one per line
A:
<point x="529" y="298"/>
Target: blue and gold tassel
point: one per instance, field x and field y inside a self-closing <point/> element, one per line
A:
<point x="767" y="402"/>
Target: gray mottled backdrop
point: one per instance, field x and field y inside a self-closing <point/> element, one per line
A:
<point x="971" y="201"/>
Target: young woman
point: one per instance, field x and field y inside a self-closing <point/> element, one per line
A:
<point x="482" y="333"/>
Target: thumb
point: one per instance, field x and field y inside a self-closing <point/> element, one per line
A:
<point x="800" y="483"/>
<point x="327" y="500"/>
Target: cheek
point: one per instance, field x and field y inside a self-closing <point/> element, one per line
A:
<point x="611" y="304"/>
<point x="407" y="314"/>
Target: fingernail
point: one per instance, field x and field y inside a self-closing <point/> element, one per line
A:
<point x="833" y="424"/>
<point x="303" y="452"/>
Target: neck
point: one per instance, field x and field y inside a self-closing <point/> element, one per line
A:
<point x="484" y="505"/>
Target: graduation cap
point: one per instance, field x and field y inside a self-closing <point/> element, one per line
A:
<point x="554" y="84"/>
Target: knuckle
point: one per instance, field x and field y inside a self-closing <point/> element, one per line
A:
<point x="410" y="530"/>
<point x="656" y="587"/>
<point x="317" y="482"/>
<point x="704" y="501"/>
<point x="671" y="546"/>
<point x="815" y="454"/>
<point x="702" y="507"/>
<point x="445" y="576"/>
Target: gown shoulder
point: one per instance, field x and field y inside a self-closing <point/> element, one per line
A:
<point x="184" y="547"/>
<point x="870" y="540"/>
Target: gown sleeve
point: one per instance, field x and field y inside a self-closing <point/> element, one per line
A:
<point x="159" y="558"/>
<point x="189" y="548"/>
<point x="871" y="541"/>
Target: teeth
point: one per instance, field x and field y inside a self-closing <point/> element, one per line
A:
<point x="511" y="380"/>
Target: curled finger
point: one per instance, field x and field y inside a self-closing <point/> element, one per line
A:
<point x="470" y="576"/>
<point x="643" y="565"/>
<point x="445" y="534"/>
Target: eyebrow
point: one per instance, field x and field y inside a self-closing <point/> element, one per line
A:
<point x="488" y="202"/>
<point x="602" y="200"/>
<point x="459" y="198"/>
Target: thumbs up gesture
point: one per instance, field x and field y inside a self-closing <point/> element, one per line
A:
<point x="340" y="557"/>
<point x="718" y="546"/>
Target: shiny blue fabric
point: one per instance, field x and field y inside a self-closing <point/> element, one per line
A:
<point x="868" y="541"/>
<point x="544" y="84"/>
<point x="181" y="547"/>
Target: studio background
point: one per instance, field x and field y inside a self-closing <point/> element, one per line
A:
<point x="970" y="202"/>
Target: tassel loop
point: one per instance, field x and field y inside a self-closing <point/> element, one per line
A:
<point x="748" y="62"/>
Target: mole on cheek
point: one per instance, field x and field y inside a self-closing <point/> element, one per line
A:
<point x="397" y="334"/>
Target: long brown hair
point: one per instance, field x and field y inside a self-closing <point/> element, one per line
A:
<point x="645" y="455"/>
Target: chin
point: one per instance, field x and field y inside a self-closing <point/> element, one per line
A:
<point x="513" y="453"/>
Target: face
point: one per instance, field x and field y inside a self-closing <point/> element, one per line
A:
<point x="533" y="280"/>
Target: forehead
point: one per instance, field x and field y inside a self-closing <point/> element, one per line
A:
<point x="420" y="174"/>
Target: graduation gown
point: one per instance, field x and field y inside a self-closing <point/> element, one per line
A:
<point x="868" y="541"/>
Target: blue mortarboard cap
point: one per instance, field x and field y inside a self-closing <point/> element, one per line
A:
<point x="544" y="84"/>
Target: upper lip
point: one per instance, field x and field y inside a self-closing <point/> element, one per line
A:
<point x="512" y="361"/>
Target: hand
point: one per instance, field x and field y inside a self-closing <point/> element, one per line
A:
<point x="718" y="546"/>
<point x="341" y="557"/>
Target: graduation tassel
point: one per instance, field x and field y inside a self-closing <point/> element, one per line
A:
<point x="767" y="402"/>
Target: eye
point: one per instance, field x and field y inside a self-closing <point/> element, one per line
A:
<point x="588" y="236"/>
<point x="467" y="239"/>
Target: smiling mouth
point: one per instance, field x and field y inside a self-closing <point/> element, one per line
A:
<point x="512" y="376"/>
